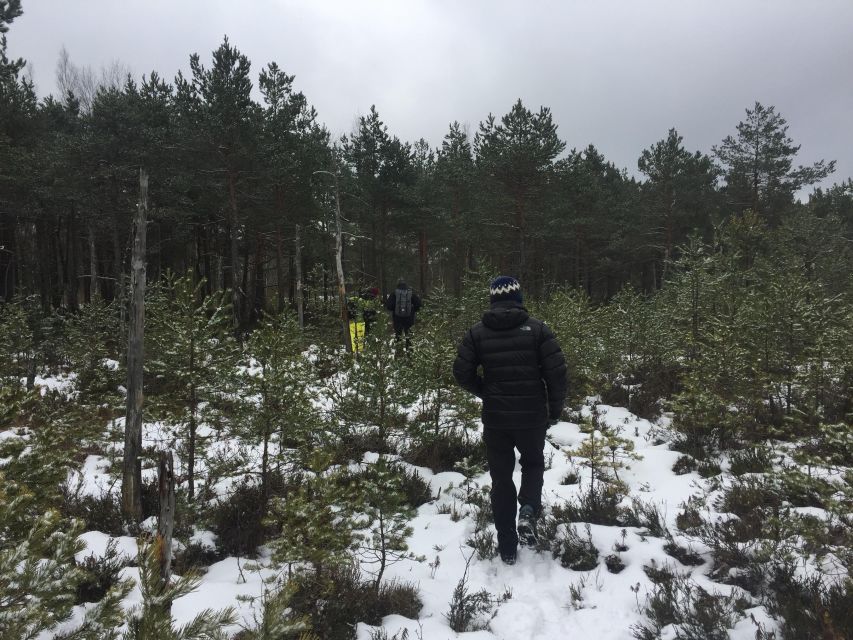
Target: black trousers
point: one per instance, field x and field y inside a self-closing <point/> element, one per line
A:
<point x="401" y="328"/>
<point x="500" y="450"/>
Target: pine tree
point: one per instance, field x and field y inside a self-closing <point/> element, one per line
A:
<point x="153" y="618"/>
<point x="386" y="514"/>
<point x="519" y="153"/>
<point x="192" y="357"/>
<point x="679" y="187"/>
<point x="443" y="407"/>
<point x="316" y="519"/>
<point x="454" y="181"/>
<point x="375" y="387"/>
<point x="216" y="107"/>
<point x="39" y="577"/>
<point x="277" y="394"/>
<point x="277" y="620"/>
<point x="580" y="329"/>
<point x="758" y="165"/>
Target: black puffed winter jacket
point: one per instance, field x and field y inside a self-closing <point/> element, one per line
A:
<point x="524" y="372"/>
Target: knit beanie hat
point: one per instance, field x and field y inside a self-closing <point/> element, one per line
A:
<point x="504" y="288"/>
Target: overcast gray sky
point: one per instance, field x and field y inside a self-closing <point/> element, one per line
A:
<point x="615" y="73"/>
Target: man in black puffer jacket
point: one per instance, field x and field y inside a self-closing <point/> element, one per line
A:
<point x="522" y="387"/>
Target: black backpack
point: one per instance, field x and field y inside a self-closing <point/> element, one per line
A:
<point x="403" y="303"/>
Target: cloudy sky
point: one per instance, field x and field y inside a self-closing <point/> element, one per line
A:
<point x="615" y="73"/>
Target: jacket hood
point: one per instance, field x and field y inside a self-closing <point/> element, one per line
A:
<point x="505" y="315"/>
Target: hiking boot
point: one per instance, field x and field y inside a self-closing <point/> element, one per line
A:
<point x="527" y="526"/>
<point x="509" y="557"/>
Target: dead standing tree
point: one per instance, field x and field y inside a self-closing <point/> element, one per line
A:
<point x="339" y="264"/>
<point x="131" y="486"/>
<point x="166" y="523"/>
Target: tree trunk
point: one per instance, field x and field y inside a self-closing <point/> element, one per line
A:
<point x="7" y="261"/>
<point x="279" y="271"/>
<point x="245" y="297"/>
<point x="422" y="256"/>
<point x="72" y="264"/>
<point x="166" y="523"/>
<point x="119" y="284"/>
<point x="232" y="249"/>
<point x="339" y="264"/>
<point x="193" y="427"/>
<point x="131" y="488"/>
<point x="260" y="299"/>
<point x="297" y="260"/>
<point x="94" y="289"/>
<point x="521" y="223"/>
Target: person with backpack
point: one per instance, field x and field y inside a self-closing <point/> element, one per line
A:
<point x="522" y="386"/>
<point x="403" y="303"/>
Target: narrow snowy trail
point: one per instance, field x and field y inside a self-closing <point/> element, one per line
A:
<point x="541" y="603"/>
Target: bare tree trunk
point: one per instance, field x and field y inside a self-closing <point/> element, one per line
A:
<point x="131" y="488"/>
<point x="339" y="265"/>
<point x="422" y="255"/>
<point x="120" y="292"/>
<point x="232" y="250"/>
<point x="166" y="524"/>
<point x="279" y="271"/>
<point x="245" y="294"/>
<point x="72" y="271"/>
<point x="94" y="290"/>
<point x="260" y="287"/>
<point x="297" y="259"/>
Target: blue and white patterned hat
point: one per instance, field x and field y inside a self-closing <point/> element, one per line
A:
<point x="505" y="288"/>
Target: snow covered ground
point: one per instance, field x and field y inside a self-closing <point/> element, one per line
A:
<point x="535" y="598"/>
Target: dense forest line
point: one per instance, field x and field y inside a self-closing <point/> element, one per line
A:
<point x="243" y="192"/>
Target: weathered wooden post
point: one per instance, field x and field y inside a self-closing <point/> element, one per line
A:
<point x="166" y="523"/>
<point x="131" y="483"/>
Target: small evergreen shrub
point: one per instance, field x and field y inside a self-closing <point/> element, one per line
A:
<point x="575" y="552"/>
<point x="802" y="490"/>
<point x="598" y="505"/>
<point x="648" y="516"/>
<point x="239" y="521"/>
<point x="99" y="574"/>
<point x="614" y="563"/>
<point x="753" y="460"/>
<point x="686" y="609"/>
<point x="481" y="503"/>
<point x="353" y="444"/>
<point x="98" y="513"/>
<point x="690" y="519"/>
<point x="738" y="557"/>
<point x="685" y="555"/>
<point x="193" y="557"/>
<point x="570" y="478"/>
<point x="709" y="468"/>
<point x="810" y="608"/>
<point x="445" y="454"/>
<point x="752" y="499"/>
<point x="336" y="600"/>
<point x="484" y="543"/>
<point x="414" y="486"/>
<point x="470" y="610"/>
<point x="684" y="465"/>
